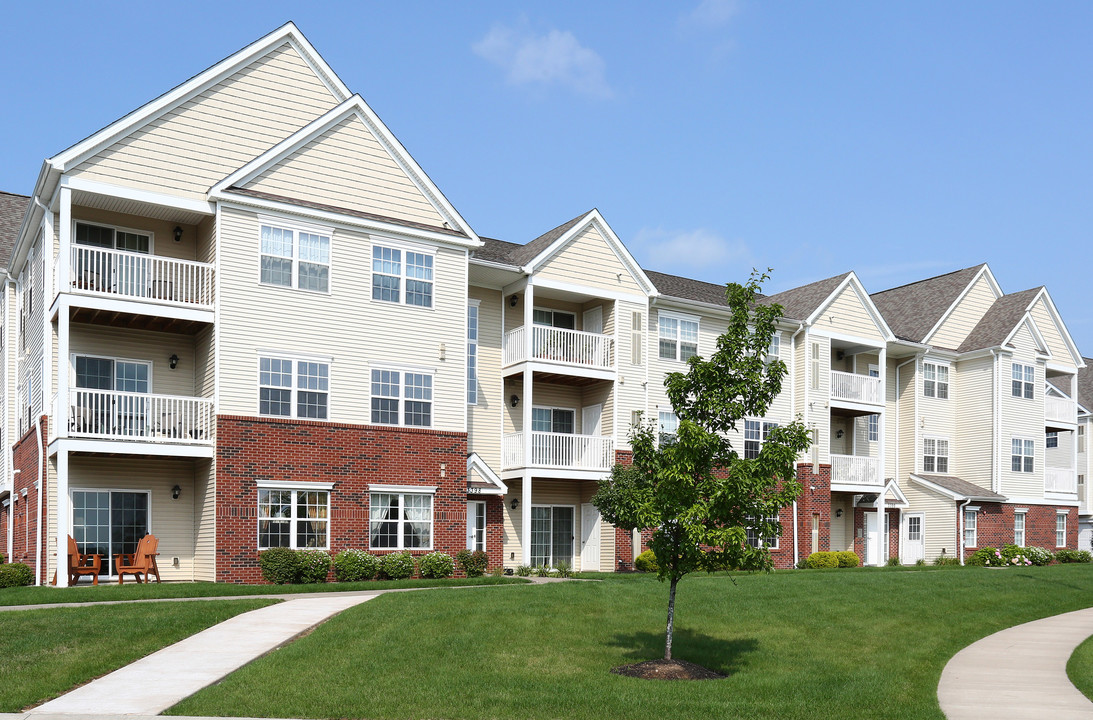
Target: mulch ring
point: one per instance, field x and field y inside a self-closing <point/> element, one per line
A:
<point x="667" y="670"/>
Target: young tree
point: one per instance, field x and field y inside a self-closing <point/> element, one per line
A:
<point x="695" y="490"/>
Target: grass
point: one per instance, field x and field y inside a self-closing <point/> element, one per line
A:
<point x="48" y="652"/>
<point x="1079" y="668"/>
<point x="159" y="591"/>
<point x="800" y="644"/>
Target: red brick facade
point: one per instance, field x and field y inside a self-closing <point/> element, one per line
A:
<point x="995" y="524"/>
<point x="355" y="458"/>
<point x="24" y="509"/>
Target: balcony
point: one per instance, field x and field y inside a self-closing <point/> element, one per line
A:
<point x="1057" y="409"/>
<point x="559" y="451"/>
<point x="110" y="415"/>
<point x="571" y="348"/>
<point x="137" y="276"/>
<point x="854" y="388"/>
<point x="1060" y="480"/>
<point x="855" y="470"/>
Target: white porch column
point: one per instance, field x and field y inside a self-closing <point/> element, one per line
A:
<point x="881" y="549"/>
<point x="882" y="358"/>
<point x="526" y="400"/>
<point x="59" y="422"/>
<point x="64" y="244"/>
<point x="62" y="517"/>
<point x="525" y="517"/>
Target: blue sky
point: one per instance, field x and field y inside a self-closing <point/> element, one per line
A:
<point x="899" y="140"/>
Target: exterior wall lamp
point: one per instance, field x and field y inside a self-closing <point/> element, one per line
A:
<point x="514" y="400"/>
<point x="178" y="233"/>
<point x="173" y="360"/>
<point x="515" y="503"/>
<point x="839" y="512"/>
<point x="513" y="300"/>
<point x="175" y="492"/>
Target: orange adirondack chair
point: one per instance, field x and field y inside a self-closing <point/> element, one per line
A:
<point x="143" y="561"/>
<point x="80" y="564"/>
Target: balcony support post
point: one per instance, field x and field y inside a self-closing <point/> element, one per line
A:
<point x="881" y="551"/>
<point x="527" y="400"/>
<point x="525" y="517"/>
<point x="62" y="516"/>
<point x="882" y="363"/>
<point x="61" y="412"/>
<point x="64" y="242"/>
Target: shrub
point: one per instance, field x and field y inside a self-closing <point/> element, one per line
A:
<point x="1067" y="555"/>
<point x="280" y="566"/>
<point x="921" y="562"/>
<point x="15" y="575"/>
<point x="802" y="563"/>
<point x="314" y="566"/>
<point x="542" y="571"/>
<point x="946" y="560"/>
<point x="986" y="557"/>
<point x="523" y="570"/>
<point x="848" y="559"/>
<point x="3" y="558"/>
<point x="823" y="560"/>
<point x="564" y="569"/>
<point x="1038" y="555"/>
<point x="397" y="565"/>
<point x="646" y="562"/>
<point x="436" y="565"/>
<point x="892" y="561"/>
<point x="473" y="564"/>
<point x="497" y="571"/>
<point x="355" y="565"/>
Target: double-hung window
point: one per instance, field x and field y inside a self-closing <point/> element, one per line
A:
<point x="755" y="434"/>
<point x="402" y="276"/>
<point x="1019" y="529"/>
<point x="295" y="258"/>
<point x="402" y="397"/>
<point x="1023" y="381"/>
<point x="400" y="519"/>
<point x="935" y="455"/>
<point x="874" y="427"/>
<point x="290" y="387"/>
<point x="756" y="539"/>
<point x="935" y="381"/>
<point x="1022" y="454"/>
<point x="678" y="337"/>
<point x="1051" y="440"/>
<point x="775" y="347"/>
<point x="293" y="518"/>
<point x="667" y="426"/>
<point x="1060" y="529"/>
<point x="472" y="353"/>
<point x="970" y="539"/>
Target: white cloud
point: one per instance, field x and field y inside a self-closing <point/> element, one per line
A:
<point x="555" y="58"/>
<point x="690" y="251"/>
<point x="711" y="14"/>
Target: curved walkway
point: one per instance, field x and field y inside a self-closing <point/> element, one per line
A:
<point x="1018" y="673"/>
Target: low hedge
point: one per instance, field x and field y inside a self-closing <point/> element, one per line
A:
<point x="848" y="559"/>
<point x="473" y="564"/>
<point x="355" y="565"/>
<point x="314" y="566"/>
<point x="1066" y="555"/>
<point x="646" y="562"/>
<point x="285" y="566"/>
<point x="436" y="565"/>
<point x="15" y="575"/>
<point x="818" y="560"/>
<point x="397" y="565"/>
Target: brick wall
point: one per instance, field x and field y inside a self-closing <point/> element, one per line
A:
<point x="353" y="458"/>
<point x="994" y="526"/>
<point x="815" y="500"/>
<point x="24" y="517"/>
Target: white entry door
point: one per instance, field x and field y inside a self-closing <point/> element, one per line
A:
<point x="913" y="550"/>
<point x="476" y="525"/>
<point x="870" y="537"/>
<point x="593" y="320"/>
<point x="590" y="537"/>
<point x="590" y="425"/>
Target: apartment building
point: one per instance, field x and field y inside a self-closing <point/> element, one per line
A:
<point x="248" y="319"/>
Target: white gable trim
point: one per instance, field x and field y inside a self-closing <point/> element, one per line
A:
<point x="995" y="288"/>
<point x="354" y="106"/>
<point x="1056" y="318"/>
<point x="594" y="220"/>
<point x="867" y="302"/>
<point x="149" y="112"/>
<point x="1026" y="319"/>
<point x="476" y="463"/>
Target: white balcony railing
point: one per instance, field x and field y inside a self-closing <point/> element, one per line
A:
<point x="139" y="416"/>
<point x="1060" y="480"/>
<point x="560" y="451"/>
<point x="551" y="344"/>
<point x="854" y="387"/>
<point x="1060" y="409"/>
<point x="130" y="275"/>
<point x="855" y="470"/>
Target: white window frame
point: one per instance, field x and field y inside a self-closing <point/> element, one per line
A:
<point x="116" y="229"/>
<point x="937" y="455"/>
<point x="295" y="388"/>
<point x="1051" y="439"/>
<point x="1019" y="526"/>
<point x="296" y="260"/>
<point x="553" y="409"/>
<point x="401" y="399"/>
<point x="1060" y="528"/>
<point x="473" y="541"/>
<point x="932" y="384"/>
<point x="72" y="490"/>
<point x="971" y="525"/>
<point x="114" y="359"/>
<point x="472" y="351"/>
<point x="1025" y="386"/>
<point x="401" y="491"/>
<point x="677" y="337"/>
<point x="755" y="540"/>
<point x="774" y="350"/>
<point x="763" y="430"/>
<point x="574" y="549"/>
<point x="404" y="274"/>
<point x="666" y="419"/>
<point x="553" y="312"/>
<point x="294" y="518"/>
<point x="1024" y="448"/>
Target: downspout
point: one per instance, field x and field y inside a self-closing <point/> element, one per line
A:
<point x="996" y="471"/>
<point x="960" y="529"/>
<point x="793" y="404"/>
<point x="38" y="487"/>
<point x="796" y="553"/>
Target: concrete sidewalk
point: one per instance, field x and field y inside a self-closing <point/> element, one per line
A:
<point x="156" y="682"/>
<point x="1018" y="673"/>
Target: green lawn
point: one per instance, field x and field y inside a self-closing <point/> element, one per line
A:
<point x="85" y="592"/>
<point x="799" y="644"/>
<point x="1080" y="668"/>
<point x="45" y="653"/>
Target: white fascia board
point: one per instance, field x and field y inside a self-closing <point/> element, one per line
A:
<point x="476" y="463"/>
<point x="859" y="290"/>
<point x="995" y="288"/>
<point x="1042" y="347"/>
<point x="1060" y="325"/>
<point x="129" y="447"/>
<point x="293" y="485"/>
<point x="949" y="493"/>
<point x="587" y="290"/>
<point x="382" y="487"/>
<point x="96" y="187"/>
<point x="894" y="487"/>
<point x="149" y="112"/>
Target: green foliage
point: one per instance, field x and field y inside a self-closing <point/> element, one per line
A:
<point x="563" y="569"/>
<point x="314" y="565"/>
<point x="473" y="564"/>
<point x="15" y="575"/>
<point x="3" y="558"/>
<point x="1035" y="555"/>
<point x="542" y="571"/>
<point x="1066" y="555"/>
<point x="848" y="559"/>
<point x="646" y="562"/>
<point x="436" y="565"/>
<point x="355" y="565"/>
<point x="280" y="566"/>
<point x="893" y="561"/>
<point x="921" y="562"/>
<point x="523" y="571"/>
<point x="397" y="565"/>
<point x="497" y="571"/>
<point x="818" y="560"/>
<point x="942" y="560"/>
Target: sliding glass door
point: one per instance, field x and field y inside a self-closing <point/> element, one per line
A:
<point x="551" y="535"/>
<point x="109" y="522"/>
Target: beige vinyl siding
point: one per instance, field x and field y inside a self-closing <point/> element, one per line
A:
<point x="141" y="345"/>
<point x="966" y="315"/>
<point x="908" y="395"/>
<point x="348" y="167"/>
<point x="553" y="395"/>
<point x="1063" y="455"/>
<point x="630" y="389"/>
<point x="891" y="421"/>
<point x="1022" y="418"/>
<point x="842" y="529"/>
<point x="345" y="325"/>
<point x="589" y="260"/>
<point x="781" y="408"/>
<point x="796" y="368"/>
<point x="842" y="445"/>
<point x="162" y="231"/>
<point x="848" y="314"/>
<point x="936" y="417"/>
<point x="31" y="355"/>
<point x="484" y="418"/>
<point x="204" y="363"/>
<point x="195" y="145"/>
<point x="819" y="398"/>
<point x="172" y="521"/>
<point x="939" y="520"/>
<point x="204" y="503"/>
<point x="972" y="450"/>
<point x="1045" y="323"/>
<point x="554" y="492"/>
<point x="514" y="316"/>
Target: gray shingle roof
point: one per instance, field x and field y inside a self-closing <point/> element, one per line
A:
<point x="998" y="322"/>
<point x="800" y="302"/>
<point x="962" y="487"/>
<point x="912" y="310"/>
<point x="12" y="209"/>
<point x="500" y="251"/>
<point x="1085" y="385"/>
<point x="683" y="288"/>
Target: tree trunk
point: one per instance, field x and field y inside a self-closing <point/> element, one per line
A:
<point x="671" y="617"/>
